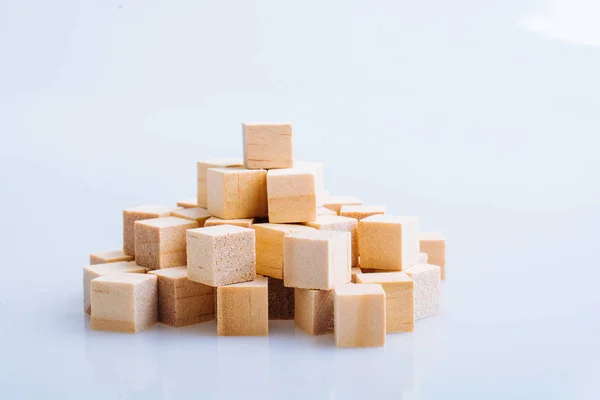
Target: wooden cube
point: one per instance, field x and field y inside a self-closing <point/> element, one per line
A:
<point x="399" y="295"/>
<point x="237" y="193"/>
<point x="353" y="272"/>
<point x="203" y="167"/>
<point x="188" y="203"/>
<point x="325" y="211"/>
<point x="110" y="256"/>
<point x="281" y="300"/>
<point x="269" y="247"/>
<point x="434" y="245"/>
<point x="426" y="278"/>
<point x="335" y="203"/>
<point x="317" y="169"/>
<point x="291" y="195"/>
<point x="96" y="270"/>
<point x="198" y="214"/>
<point x="160" y="242"/>
<point x="361" y="211"/>
<point x="182" y="302"/>
<point x="314" y="311"/>
<point x="267" y="146"/>
<point x="316" y="259"/>
<point x="243" y="309"/>
<point x="387" y="242"/>
<point x="341" y="224"/>
<point x="124" y="302"/>
<point x="243" y="222"/>
<point x="138" y="214"/>
<point x="359" y="315"/>
<point x="221" y="255"/>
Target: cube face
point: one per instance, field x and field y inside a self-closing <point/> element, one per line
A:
<point x="243" y="222"/>
<point x="340" y="224"/>
<point x="109" y="257"/>
<point x="267" y="146"/>
<point x="335" y="203"/>
<point x="388" y="243"/>
<point x="434" y="245"/>
<point x="131" y="215"/>
<point x="202" y="168"/>
<point x="426" y="278"/>
<point x="291" y="195"/>
<point x="361" y="211"/>
<point x="243" y="309"/>
<point x="221" y="255"/>
<point x="198" y="214"/>
<point x="281" y="300"/>
<point x="235" y="193"/>
<point x="317" y="170"/>
<point x="188" y="203"/>
<point x="314" y="311"/>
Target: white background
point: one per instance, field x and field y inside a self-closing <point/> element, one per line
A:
<point x="480" y="117"/>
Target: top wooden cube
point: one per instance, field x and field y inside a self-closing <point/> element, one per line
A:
<point x="267" y="146"/>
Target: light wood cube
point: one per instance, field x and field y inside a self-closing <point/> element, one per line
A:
<point x="182" y="302"/>
<point x="160" y="242"/>
<point x="353" y="272"/>
<point x="426" y="278"/>
<point x="237" y="193"/>
<point x="325" y="211"/>
<point x="243" y="309"/>
<point x="267" y="146"/>
<point x="269" y="247"/>
<point x="292" y="195"/>
<point x="198" y="214"/>
<point x="314" y="311"/>
<point x="341" y="224"/>
<point x="335" y="203"/>
<point x="203" y="167"/>
<point x="399" y="294"/>
<point x="317" y="169"/>
<point x="221" y="255"/>
<point x="281" y="300"/>
<point x="138" y="214"/>
<point x="243" y="222"/>
<point x="361" y="211"/>
<point x="316" y="259"/>
<point x="388" y="242"/>
<point x="434" y="245"/>
<point x="188" y="203"/>
<point x="423" y="258"/>
<point x="110" y="256"/>
<point x="359" y="315"/>
<point x="124" y="302"/>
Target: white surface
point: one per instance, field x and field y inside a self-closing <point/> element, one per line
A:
<point x="453" y="111"/>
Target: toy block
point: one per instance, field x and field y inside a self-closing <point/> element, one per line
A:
<point x="243" y="308"/>
<point x="188" y="203"/>
<point x="269" y="247"/>
<point x="314" y="311"/>
<point x="160" y="242"/>
<point x="434" y="245"/>
<point x="316" y="259"/>
<point x="361" y="211"/>
<point x="353" y="272"/>
<point x="325" y="211"/>
<point x="317" y="169"/>
<point x="198" y="214"/>
<point x="359" y="315"/>
<point x="387" y="242"/>
<point x="399" y="298"/>
<point x="131" y="215"/>
<point x="426" y="278"/>
<point x="335" y="203"/>
<point x="291" y="195"/>
<point x="243" y="222"/>
<point x="423" y="258"/>
<point x="124" y="302"/>
<point x="237" y="193"/>
<point x="96" y="270"/>
<point x="221" y="255"/>
<point x="182" y="302"/>
<point x="342" y="224"/>
<point x="267" y="146"/>
<point x="203" y="167"/>
<point x="111" y="256"/>
<point x="281" y="300"/>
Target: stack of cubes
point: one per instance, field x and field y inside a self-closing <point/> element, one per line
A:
<point x="263" y="240"/>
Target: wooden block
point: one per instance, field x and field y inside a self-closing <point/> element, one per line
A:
<point x="341" y="224"/>
<point x="361" y="211"/>
<point x="243" y="309"/>
<point x="160" y="242"/>
<point x="316" y="259"/>
<point x="388" y="242"/>
<point x="317" y="169"/>
<point x="96" y="270"/>
<point x="359" y="315"/>
<point x="399" y="296"/>
<point x="314" y="311"/>
<point x="111" y="256"/>
<point x="198" y="214"/>
<point x="124" y="302"/>
<point x="353" y="272"/>
<point x="182" y="302"/>
<point x="422" y="258"/>
<point x="291" y="195"/>
<point x="335" y="203"/>
<point x="269" y="247"/>
<point x="188" y="203"/>
<point x="237" y="193"/>
<point x="426" y="278"/>
<point x="203" y="167"/>
<point x="138" y="214"/>
<point x="243" y="222"/>
<point x="221" y="255"/>
<point x="434" y="245"/>
<point x="267" y="146"/>
<point x="325" y="211"/>
<point x="281" y="300"/>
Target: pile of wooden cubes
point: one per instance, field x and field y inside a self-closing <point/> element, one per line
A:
<point x="263" y="240"/>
